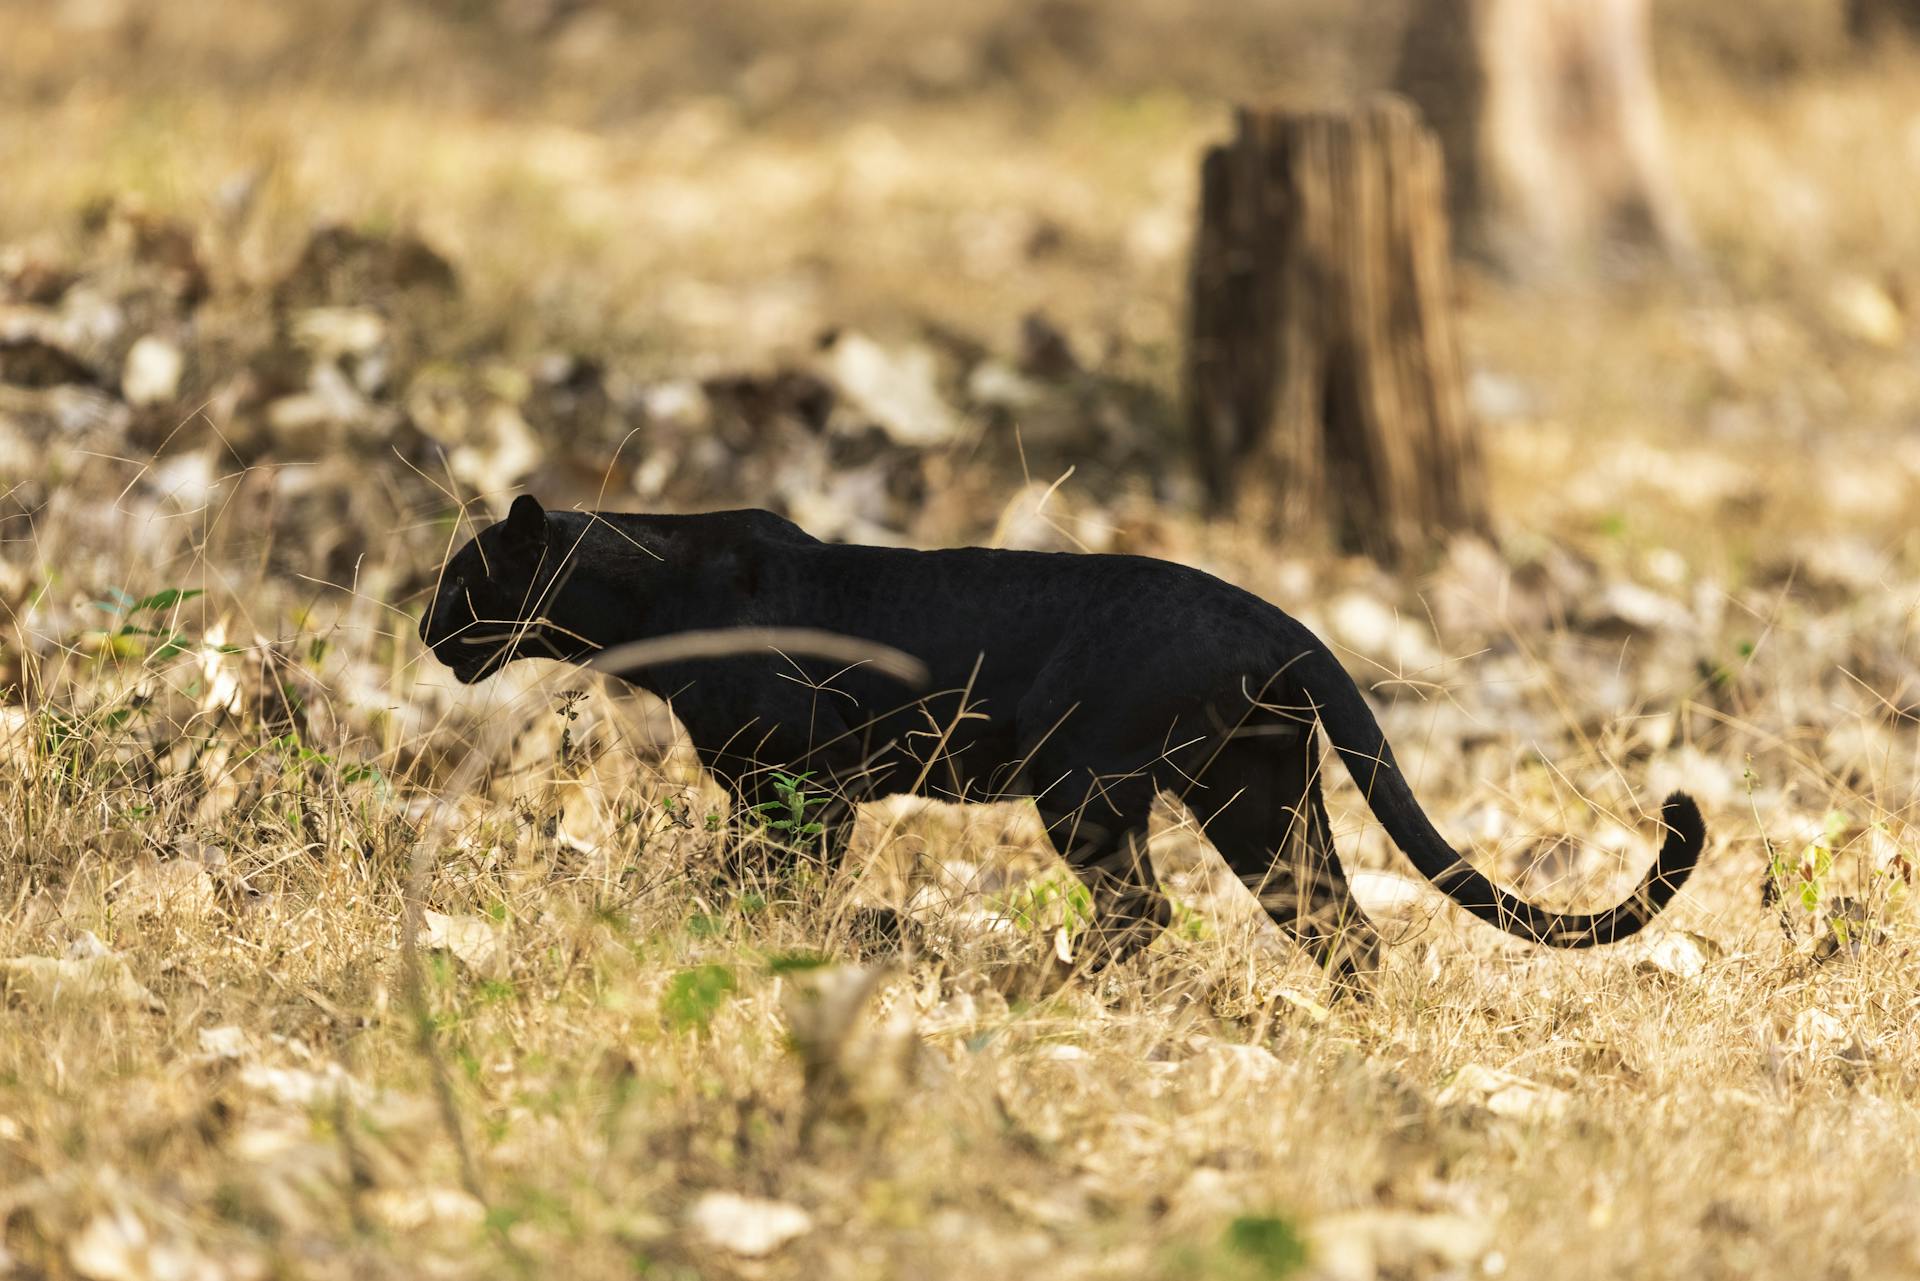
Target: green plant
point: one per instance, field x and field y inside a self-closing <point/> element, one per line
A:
<point x="1272" y="1245"/>
<point x="569" y="712"/>
<point x="1035" y="905"/>
<point x="694" y="995"/>
<point x="1804" y="876"/>
<point x="296" y="754"/>
<point x="796" y="962"/>
<point x="1252" y="1247"/>
<point x="144" y="631"/>
<point x="1191" y="924"/>
<point x="787" y="812"/>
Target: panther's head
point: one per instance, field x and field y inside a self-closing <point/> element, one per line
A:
<point x="495" y="599"/>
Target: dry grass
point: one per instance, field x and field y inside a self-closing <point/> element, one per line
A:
<point x="1707" y="577"/>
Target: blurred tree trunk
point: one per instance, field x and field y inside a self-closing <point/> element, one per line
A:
<point x="1550" y="121"/>
<point x="1323" y="377"/>
<point x="1872" y="20"/>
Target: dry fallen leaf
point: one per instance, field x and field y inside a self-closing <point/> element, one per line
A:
<point x="1389" y="893"/>
<point x="1863" y="309"/>
<point x="898" y="388"/>
<point x="178" y="888"/>
<point x="1381" y="632"/>
<point x="410" y="1209"/>
<point x="1300" y="1001"/>
<point x="1815" y="1030"/>
<point x="297" y="1087"/>
<point x="17" y="737"/>
<point x="1365" y="1244"/>
<point x="1672" y="952"/>
<point x="1819" y="1035"/>
<point x="52" y="979"/>
<point x="115" y="1245"/>
<point x="587" y="823"/>
<point x="151" y="374"/>
<point x="1226" y="1068"/>
<point x="501" y="454"/>
<point x="1241" y="998"/>
<point x="226" y="1042"/>
<point x="751" y="1227"/>
<point x="1503" y="1094"/>
<point x="475" y="940"/>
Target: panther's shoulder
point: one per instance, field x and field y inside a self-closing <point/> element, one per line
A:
<point x="746" y="525"/>
<point x="758" y="522"/>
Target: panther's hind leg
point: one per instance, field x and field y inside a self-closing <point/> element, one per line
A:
<point x="1260" y="805"/>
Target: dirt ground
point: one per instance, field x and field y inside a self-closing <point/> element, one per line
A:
<point x="317" y="964"/>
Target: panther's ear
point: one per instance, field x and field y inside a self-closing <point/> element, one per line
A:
<point x="526" y="524"/>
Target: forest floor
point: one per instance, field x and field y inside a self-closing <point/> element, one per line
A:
<point x="317" y="964"/>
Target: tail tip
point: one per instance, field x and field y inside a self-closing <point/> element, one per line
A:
<point x="1682" y="818"/>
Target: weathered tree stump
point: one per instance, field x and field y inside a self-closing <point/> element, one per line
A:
<point x="1870" y="21"/>
<point x="1550" y="121"/>
<point x="1323" y="376"/>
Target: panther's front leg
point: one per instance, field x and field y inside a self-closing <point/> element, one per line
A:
<point x="783" y="824"/>
<point x="1104" y="839"/>
<point x="790" y="764"/>
<point x="1129" y="909"/>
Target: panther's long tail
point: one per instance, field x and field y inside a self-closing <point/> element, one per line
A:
<point x="1356" y="735"/>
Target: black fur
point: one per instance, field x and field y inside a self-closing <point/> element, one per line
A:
<point x="1090" y="683"/>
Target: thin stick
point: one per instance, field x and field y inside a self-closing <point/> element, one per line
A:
<point x="728" y="641"/>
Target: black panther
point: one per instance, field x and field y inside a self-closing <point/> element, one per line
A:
<point x="1089" y="683"/>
